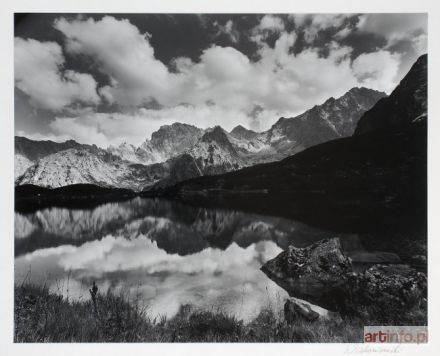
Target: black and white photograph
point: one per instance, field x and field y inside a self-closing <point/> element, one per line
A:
<point x="235" y="177"/>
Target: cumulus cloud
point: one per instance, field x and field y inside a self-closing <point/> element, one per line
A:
<point x="295" y="76"/>
<point x="38" y="73"/>
<point x="397" y="27"/>
<point x="377" y="70"/>
<point x="223" y="75"/>
<point x="121" y="52"/>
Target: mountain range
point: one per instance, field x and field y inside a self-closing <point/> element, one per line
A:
<point x="379" y="174"/>
<point x="180" y="151"/>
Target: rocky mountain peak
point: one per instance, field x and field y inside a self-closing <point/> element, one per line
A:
<point x="218" y="135"/>
<point x="241" y="132"/>
<point x="169" y="141"/>
<point x="364" y="91"/>
<point x="174" y="131"/>
<point x="333" y="119"/>
<point x="238" y="129"/>
<point x="329" y="101"/>
<point x="175" y="136"/>
<point x="357" y="96"/>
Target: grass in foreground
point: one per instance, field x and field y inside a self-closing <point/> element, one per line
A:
<point x="44" y="317"/>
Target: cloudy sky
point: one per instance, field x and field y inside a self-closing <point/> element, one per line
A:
<point x="108" y="79"/>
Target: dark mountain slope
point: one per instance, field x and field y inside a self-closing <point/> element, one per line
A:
<point x="408" y="102"/>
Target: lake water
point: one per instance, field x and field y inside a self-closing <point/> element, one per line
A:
<point x="163" y="253"/>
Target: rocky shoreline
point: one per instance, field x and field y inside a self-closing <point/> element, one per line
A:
<point x="324" y="276"/>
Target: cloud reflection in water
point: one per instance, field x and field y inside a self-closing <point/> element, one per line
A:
<point x="212" y="278"/>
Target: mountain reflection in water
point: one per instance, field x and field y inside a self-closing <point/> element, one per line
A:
<point x="166" y="253"/>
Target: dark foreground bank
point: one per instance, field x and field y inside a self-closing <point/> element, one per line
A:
<point x="44" y="317"/>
